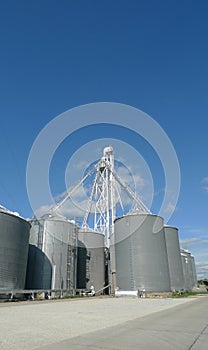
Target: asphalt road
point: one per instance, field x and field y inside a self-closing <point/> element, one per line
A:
<point x="107" y="323"/>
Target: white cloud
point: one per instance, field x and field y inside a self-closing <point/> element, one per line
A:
<point x="81" y="165"/>
<point x="132" y="179"/>
<point x="205" y="184"/>
<point x="201" y="269"/>
<point x="42" y="210"/>
<point x="204" y="241"/>
<point x="77" y="204"/>
<point x="74" y="209"/>
<point x="194" y="230"/>
<point x="202" y="265"/>
<point x="70" y="209"/>
<point x="170" y="208"/>
<point x="139" y="181"/>
<point x="189" y="242"/>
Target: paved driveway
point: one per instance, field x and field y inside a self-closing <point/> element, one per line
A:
<point x="105" y="323"/>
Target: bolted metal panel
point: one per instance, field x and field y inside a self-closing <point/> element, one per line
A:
<point x="52" y="254"/>
<point x="14" y="237"/>
<point x="90" y="266"/>
<point x="141" y="255"/>
<point x="39" y="269"/>
<point x="189" y="269"/>
<point x="174" y="258"/>
<point x="193" y="270"/>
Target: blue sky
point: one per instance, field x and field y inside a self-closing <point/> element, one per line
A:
<point x="148" y="54"/>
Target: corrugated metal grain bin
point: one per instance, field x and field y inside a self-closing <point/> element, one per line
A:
<point x="194" y="270"/>
<point x="141" y="255"/>
<point x="52" y="254"/>
<point x="189" y="270"/>
<point x="174" y="258"/>
<point x="14" y="237"/>
<point x="90" y="264"/>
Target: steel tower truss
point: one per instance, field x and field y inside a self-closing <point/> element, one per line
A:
<point x="104" y="196"/>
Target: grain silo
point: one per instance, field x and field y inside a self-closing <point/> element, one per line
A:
<point x="189" y="270"/>
<point x="90" y="263"/>
<point x="193" y="270"/>
<point x="174" y="258"/>
<point x="52" y="253"/>
<point x="141" y="255"/>
<point x="14" y="237"/>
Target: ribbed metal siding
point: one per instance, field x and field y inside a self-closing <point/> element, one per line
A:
<point x="14" y="237"/>
<point x="141" y="255"/>
<point x="189" y="269"/>
<point x="174" y="258"/>
<point x="52" y="254"/>
<point x="90" y="266"/>
<point x="194" y="271"/>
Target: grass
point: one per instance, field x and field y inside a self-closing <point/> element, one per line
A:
<point x="186" y="294"/>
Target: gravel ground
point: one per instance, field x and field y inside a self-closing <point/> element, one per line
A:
<point x="30" y="325"/>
